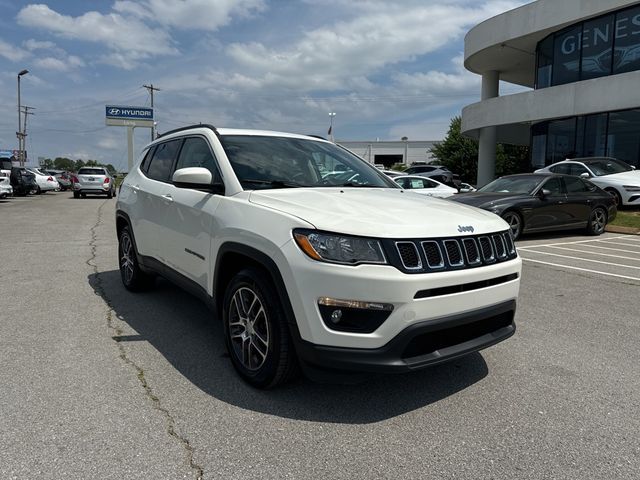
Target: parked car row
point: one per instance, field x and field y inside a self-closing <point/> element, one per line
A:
<point x="30" y="180"/>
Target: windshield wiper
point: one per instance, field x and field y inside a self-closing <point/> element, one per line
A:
<point x="351" y="184"/>
<point x="272" y="183"/>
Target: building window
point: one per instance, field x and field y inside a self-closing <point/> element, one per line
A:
<point x="606" y="45"/>
<point x="623" y="136"/>
<point x="597" y="44"/>
<point x="613" y="134"/>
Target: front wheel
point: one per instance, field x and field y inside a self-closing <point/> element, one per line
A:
<point x="515" y="223"/>
<point x="256" y="330"/>
<point x="616" y="195"/>
<point x="597" y="221"/>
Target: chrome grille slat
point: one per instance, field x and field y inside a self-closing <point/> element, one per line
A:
<point x="471" y="251"/>
<point x="454" y="253"/>
<point x="487" y="249"/>
<point x="501" y="249"/>
<point x="433" y="254"/>
<point x="409" y="255"/>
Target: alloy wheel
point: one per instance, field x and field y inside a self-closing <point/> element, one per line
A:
<point x="598" y="221"/>
<point x="515" y="224"/>
<point x="248" y="328"/>
<point x="126" y="258"/>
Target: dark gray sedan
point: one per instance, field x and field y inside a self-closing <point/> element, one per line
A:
<point x="545" y="202"/>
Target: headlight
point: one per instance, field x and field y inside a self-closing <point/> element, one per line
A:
<point x="330" y="247"/>
<point x="631" y="188"/>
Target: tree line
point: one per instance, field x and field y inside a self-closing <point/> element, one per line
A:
<point x="460" y="155"/>
<point x="63" y="163"/>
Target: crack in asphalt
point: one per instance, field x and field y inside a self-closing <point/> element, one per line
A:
<point x="169" y="420"/>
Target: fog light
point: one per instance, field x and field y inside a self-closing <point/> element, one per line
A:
<point x="353" y="315"/>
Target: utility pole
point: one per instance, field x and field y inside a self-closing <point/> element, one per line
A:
<point x="150" y="88"/>
<point x="19" y="133"/>
<point x="26" y="113"/>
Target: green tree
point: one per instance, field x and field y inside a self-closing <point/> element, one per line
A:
<point x="78" y="164"/>
<point x="460" y="155"/>
<point x="91" y="163"/>
<point x="112" y="170"/>
<point x="47" y="164"/>
<point x="63" y="163"/>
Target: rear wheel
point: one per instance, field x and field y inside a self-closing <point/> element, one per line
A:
<point x="76" y="194"/>
<point x="110" y="194"/>
<point x="256" y="330"/>
<point x="133" y="278"/>
<point x="597" y="221"/>
<point x="515" y="223"/>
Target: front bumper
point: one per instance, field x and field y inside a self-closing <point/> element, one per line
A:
<point x="420" y="345"/>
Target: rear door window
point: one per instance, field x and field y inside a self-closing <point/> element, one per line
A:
<point x="575" y="186"/>
<point x="163" y="159"/>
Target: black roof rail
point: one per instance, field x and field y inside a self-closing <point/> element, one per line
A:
<point x="189" y="127"/>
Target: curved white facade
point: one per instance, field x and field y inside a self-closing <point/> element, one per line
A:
<point x="505" y="48"/>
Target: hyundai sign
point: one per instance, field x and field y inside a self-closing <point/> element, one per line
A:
<point x="130" y="113"/>
<point x="128" y="116"/>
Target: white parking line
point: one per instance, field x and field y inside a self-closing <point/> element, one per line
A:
<point x="581" y="269"/>
<point x="618" y="243"/>
<point x="584" y="259"/>
<point x="570" y="243"/>
<point x="588" y="253"/>
<point x="613" y="249"/>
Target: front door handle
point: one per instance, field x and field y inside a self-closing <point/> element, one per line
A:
<point x="135" y="188"/>
<point x="167" y="198"/>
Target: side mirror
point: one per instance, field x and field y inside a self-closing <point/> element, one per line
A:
<point x="197" y="178"/>
<point x="544" y="193"/>
<point x="585" y="175"/>
<point x="633" y="167"/>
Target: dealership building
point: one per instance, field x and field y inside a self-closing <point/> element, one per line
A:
<point x="581" y="61"/>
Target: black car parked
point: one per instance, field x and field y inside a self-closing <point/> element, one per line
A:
<point x="22" y="181"/>
<point x="544" y="202"/>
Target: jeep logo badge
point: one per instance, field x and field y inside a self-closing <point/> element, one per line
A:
<point x="466" y="228"/>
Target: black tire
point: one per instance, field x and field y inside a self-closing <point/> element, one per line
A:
<point x="133" y="278"/>
<point x="83" y="195"/>
<point x="597" y="221"/>
<point x="261" y="349"/>
<point x="515" y="223"/>
<point x="616" y="195"/>
<point x="38" y="191"/>
<point x="76" y="194"/>
<point x="110" y="194"/>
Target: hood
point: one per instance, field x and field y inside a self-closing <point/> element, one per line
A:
<point x="487" y="199"/>
<point x="378" y="212"/>
<point x="632" y="178"/>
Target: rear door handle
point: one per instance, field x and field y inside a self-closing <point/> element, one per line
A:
<point x="167" y="197"/>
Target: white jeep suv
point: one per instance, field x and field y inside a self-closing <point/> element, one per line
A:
<point x="341" y="273"/>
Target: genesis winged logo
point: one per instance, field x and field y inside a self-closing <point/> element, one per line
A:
<point x="465" y="228"/>
<point x="114" y="111"/>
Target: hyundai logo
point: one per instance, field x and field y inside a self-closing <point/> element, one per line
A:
<point x="465" y="228"/>
<point x="114" y="111"/>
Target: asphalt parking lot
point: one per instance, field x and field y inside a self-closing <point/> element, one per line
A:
<point x="97" y="382"/>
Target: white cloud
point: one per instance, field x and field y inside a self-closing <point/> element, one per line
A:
<point x="190" y="14"/>
<point x="329" y="57"/>
<point x="60" y="65"/>
<point x="11" y="52"/>
<point x="127" y="36"/>
<point x="32" y="45"/>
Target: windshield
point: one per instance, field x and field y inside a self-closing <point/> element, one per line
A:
<point x="607" y="166"/>
<point x="282" y="162"/>
<point x="517" y="185"/>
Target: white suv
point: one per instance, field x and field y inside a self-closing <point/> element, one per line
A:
<point x="344" y="273"/>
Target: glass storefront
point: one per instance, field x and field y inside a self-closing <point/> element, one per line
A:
<point x="606" y="45"/>
<point x="613" y="134"/>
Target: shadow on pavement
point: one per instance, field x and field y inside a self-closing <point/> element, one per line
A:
<point x="187" y="334"/>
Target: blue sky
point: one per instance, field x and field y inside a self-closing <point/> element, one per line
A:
<point x="388" y="69"/>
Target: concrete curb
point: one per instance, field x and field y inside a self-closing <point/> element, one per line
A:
<point x="627" y="230"/>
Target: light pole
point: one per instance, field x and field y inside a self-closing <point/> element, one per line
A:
<point x="331" y="115"/>
<point x="19" y="132"/>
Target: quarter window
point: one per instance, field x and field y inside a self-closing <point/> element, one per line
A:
<point x="575" y="185"/>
